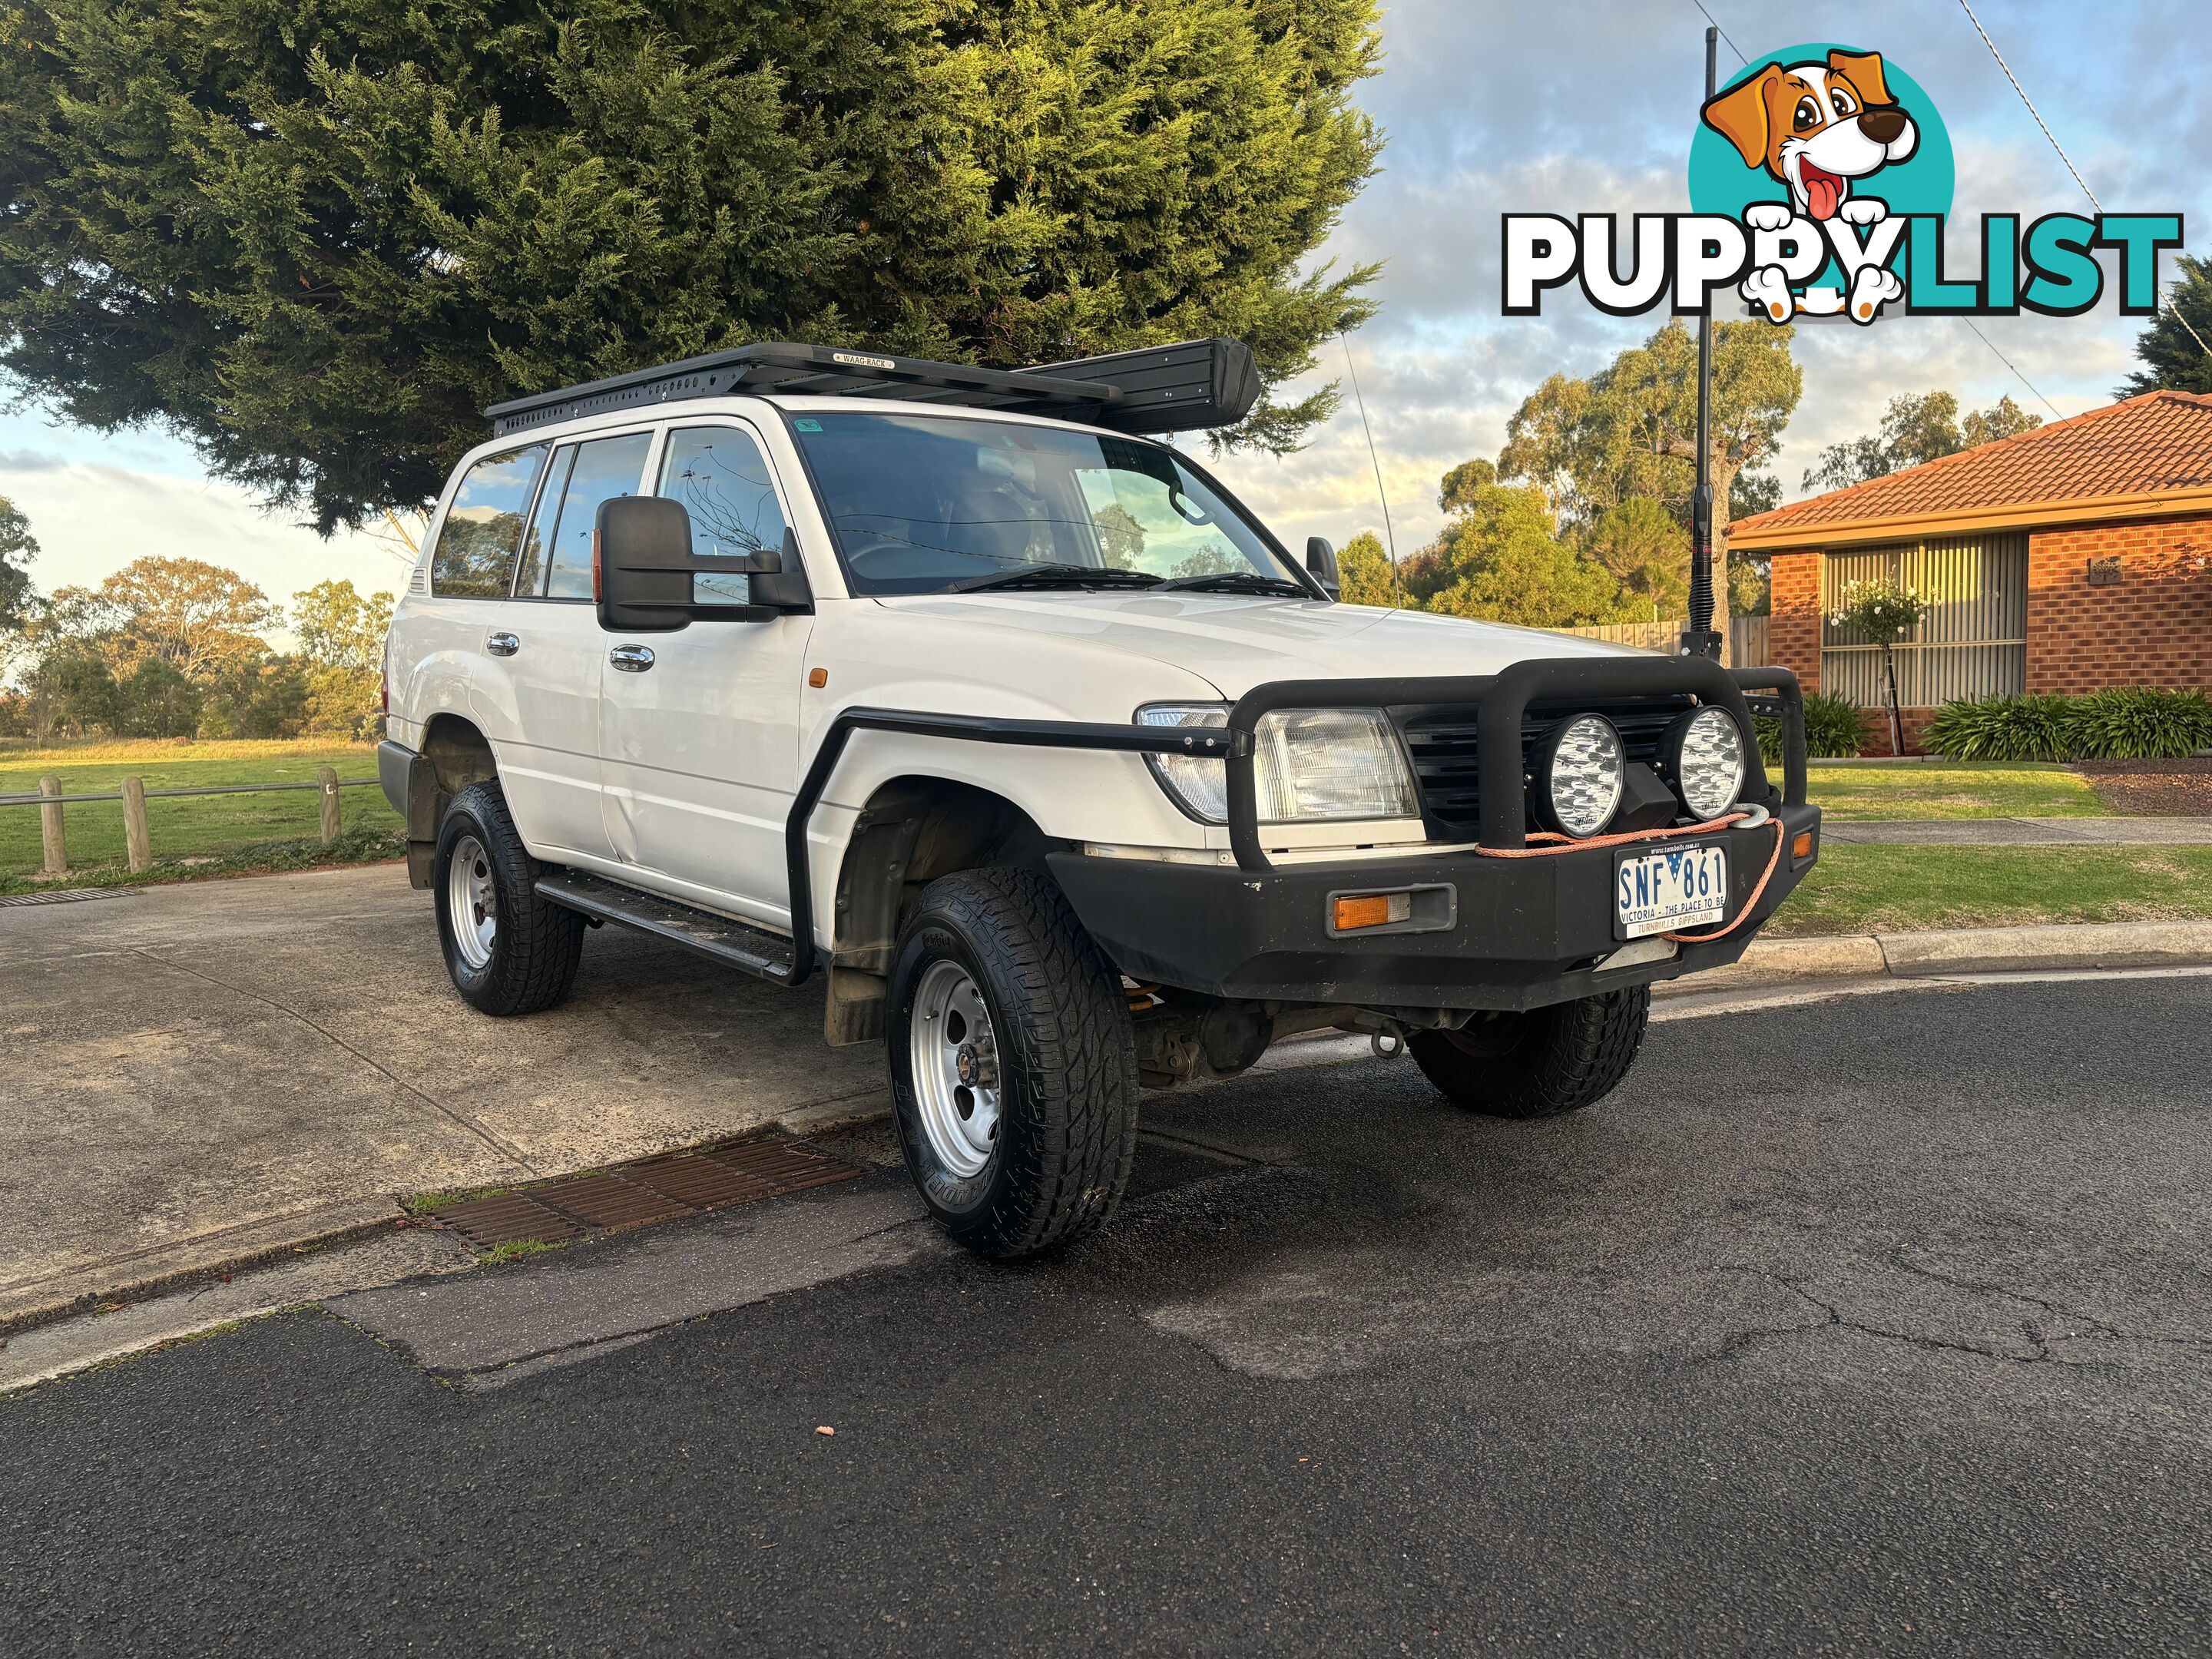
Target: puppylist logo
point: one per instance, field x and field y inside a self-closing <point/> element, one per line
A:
<point x="1820" y="181"/>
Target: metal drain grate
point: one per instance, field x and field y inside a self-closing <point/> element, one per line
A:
<point x="659" y="1188"/>
<point x="65" y="896"/>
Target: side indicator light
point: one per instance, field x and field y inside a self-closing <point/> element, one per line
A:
<point x="1359" y="910"/>
<point x="817" y="678"/>
<point x="1802" y="847"/>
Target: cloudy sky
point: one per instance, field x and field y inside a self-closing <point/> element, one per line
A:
<point x="1492" y="107"/>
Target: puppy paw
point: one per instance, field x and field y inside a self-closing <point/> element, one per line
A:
<point x="1767" y="216"/>
<point x="1871" y="290"/>
<point x="1864" y="210"/>
<point x="1768" y="289"/>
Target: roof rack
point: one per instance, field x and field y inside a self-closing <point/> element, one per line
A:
<point x="1171" y="388"/>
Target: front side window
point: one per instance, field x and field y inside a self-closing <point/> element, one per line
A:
<point x="601" y="470"/>
<point x="923" y="503"/>
<point x="475" y="554"/>
<point x="720" y="475"/>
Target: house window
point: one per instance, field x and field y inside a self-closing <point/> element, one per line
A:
<point x="1971" y="643"/>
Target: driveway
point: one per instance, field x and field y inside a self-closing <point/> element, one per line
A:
<point x="198" y="1071"/>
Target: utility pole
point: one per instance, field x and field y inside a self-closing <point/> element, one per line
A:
<point x="1701" y="640"/>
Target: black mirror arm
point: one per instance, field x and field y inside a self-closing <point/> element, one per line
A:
<point x="1321" y="564"/>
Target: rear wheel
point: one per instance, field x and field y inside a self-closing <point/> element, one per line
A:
<point x="1014" y="1068"/>
<point x="1541" y="1063"/>
<point x="508" y="950"/>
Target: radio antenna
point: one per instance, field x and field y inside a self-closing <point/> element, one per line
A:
<point x="1389" y="535"/>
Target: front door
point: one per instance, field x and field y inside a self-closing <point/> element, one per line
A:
<point x="699" y="729"/>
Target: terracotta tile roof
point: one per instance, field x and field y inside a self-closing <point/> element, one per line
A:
<point x="2146" y="455"/>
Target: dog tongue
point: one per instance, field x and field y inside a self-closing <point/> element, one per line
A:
<point x="1822" y="193"/>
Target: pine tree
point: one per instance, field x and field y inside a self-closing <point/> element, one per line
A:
<point x="317" y="237"/>
<point x="2177" y="361"/>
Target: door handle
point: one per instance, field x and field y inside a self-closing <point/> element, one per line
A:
<point x="501" y="643"/>
<point x="631" y="658"/>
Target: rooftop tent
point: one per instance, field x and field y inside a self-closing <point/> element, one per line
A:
<point x="1174" y="388"/>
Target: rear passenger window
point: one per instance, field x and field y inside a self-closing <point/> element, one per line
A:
<point x="475" y="555"/>
<point x="604" y="468"/>
<point x="720" y="476"/>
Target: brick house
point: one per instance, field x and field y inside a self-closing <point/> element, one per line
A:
<point x="2074" y="556"/>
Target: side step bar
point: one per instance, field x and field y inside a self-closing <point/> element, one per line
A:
<point x="734" y="944"/>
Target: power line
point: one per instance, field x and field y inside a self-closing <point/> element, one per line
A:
<point x="2030" y="102"/>
<point x="2174" y="311"/>
<point x="2009" y="364"/>
<point x="1715" y="21"/>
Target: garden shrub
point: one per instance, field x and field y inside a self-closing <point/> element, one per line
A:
<point x="2119" y="723"/>
<point x="2002" y="729"/>
<point x="1834" y="726"/>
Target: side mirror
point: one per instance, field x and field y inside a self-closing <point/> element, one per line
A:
<point x="641" y="565"/>
<point x="1321" y="564"/>
<point x="644" y="571"/>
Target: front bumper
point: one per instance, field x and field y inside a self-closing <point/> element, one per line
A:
<point x="1526" y="932"/>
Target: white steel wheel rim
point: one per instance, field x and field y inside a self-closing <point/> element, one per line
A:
<point x="955" y="1064"/>
<point x="472" y="904"/>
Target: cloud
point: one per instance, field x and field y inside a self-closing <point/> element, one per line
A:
<point x="30" y="460"/>
<point x="92" y="520"/>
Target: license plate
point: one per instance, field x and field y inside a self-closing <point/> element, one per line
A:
<point x="1681" y="887"/>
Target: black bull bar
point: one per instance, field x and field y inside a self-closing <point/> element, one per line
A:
<point x="1503" y="701"/>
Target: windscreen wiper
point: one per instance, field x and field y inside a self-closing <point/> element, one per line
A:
<point x="1234" y="581"/>
<point x="1057" y="575"/>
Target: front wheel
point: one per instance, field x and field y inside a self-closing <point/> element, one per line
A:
<point x="1013" y="1068"/>
<point x="508" y="950"/>
<point x="1541" y="1063"/>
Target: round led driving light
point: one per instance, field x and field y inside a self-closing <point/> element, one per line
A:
<point x="1578" y="775"/>
<point x="1702" y="757"/>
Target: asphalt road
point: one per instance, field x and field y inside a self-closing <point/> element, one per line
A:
<point x="1879" y="1324"/>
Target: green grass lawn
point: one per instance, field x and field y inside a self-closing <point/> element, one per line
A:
<point x="1957" y="789"/>
<point x="215" y="828"/>
<point x="1863" y="890"/>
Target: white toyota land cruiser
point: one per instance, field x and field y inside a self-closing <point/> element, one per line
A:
<point x="954" y="687"/>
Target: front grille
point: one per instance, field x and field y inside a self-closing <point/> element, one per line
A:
<point x="1441" y="739"/>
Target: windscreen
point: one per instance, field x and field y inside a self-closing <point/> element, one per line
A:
<point x="921" y="502"/>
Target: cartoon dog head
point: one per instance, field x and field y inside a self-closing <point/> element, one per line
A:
<point x="1816" y="126"/>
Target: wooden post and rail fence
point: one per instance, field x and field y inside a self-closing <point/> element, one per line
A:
<point x="137" y="835"/>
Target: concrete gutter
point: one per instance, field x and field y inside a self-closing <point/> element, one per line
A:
<point x="1964" y="951"/>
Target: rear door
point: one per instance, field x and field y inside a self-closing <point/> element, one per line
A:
<point x="540" y="704"/>
<point x="701" y="744"/>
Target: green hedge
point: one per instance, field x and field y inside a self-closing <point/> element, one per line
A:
<point x="1833" y="727"/>
<point x="2120" y="723"/>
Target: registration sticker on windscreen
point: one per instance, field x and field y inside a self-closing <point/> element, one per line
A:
<point x="1681" y="887"/>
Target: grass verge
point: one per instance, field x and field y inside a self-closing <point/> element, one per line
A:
<point x="1960" y="790"/>
<point x="1865" y="889"/>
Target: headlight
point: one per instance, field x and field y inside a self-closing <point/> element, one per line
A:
<point x="1578" y="775"/>
<point x="1703" y="757"/>
<point x="1309" y="764"/>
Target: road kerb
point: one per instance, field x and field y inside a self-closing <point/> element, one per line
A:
<point x="2089" y="945"/>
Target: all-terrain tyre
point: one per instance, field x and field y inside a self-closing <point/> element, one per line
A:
<point x="508" y="950"/>
<point x="1013" y="1066"/>
<point x="1541" y="1063"/>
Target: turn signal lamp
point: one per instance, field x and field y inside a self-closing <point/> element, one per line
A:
<point x="1802" y="847"/>
<point x="1355" y="910"/>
